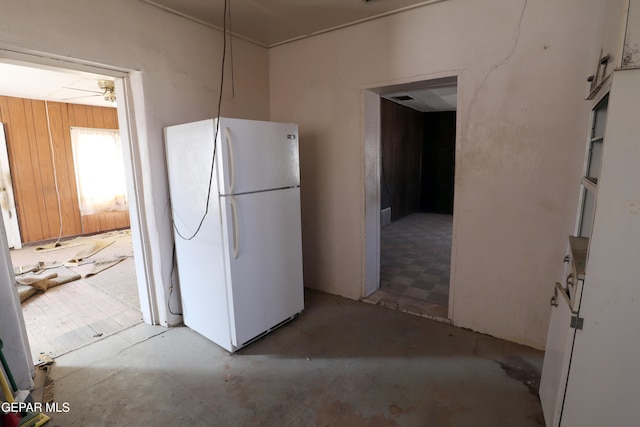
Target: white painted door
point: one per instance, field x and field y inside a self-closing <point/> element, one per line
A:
<point x="7" y="202"/>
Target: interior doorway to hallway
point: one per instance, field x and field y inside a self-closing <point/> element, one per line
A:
<point x="416" y="187"/>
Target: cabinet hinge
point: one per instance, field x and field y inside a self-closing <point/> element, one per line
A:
<point x="577" y="322"/>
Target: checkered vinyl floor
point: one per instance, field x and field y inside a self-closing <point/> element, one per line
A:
<point x="415" y="258"/>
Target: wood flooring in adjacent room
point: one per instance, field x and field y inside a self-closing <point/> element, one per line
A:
<point x="79" y="312"/>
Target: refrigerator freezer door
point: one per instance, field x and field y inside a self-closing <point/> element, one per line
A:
<point x="257" y="156"/>
<point x="264" y="230"/>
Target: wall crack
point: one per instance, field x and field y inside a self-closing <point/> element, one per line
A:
<point x="499" y="63"/>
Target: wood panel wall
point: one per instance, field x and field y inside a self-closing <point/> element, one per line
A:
<point x="401" y="134"/>
<point x="438" y="162"/>
<point x="34" y="168"/>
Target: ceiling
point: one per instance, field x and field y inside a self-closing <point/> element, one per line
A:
<point x="265" y="22"/>
<point x="426" y="100"/>
<point x="273" y="22"/>
<point x="52" y="85"/>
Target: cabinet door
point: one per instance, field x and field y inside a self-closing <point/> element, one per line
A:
<point x="557" y="356"/>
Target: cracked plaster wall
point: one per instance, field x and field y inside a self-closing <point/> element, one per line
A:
<point x="522" y="124"/>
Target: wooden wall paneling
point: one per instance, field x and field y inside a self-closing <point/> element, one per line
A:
<point x="65" y="172"/>
<point x="32" y="166"/>
<point x="29" y="195"/>
<point x="400" y="205"/>
<point x="401" y="140"/>
<point x="110" y="118"/>
<point x="78" y="116"/>
<point x="412" y="153"/>
<point x="98" y="118"/>
<point x="90" y="224"/>
<point x="4" y="106"/>
<point x="51" y="218"/>
<point x="87" y="116"/>
<point x="438" y="162"/>
<point x="123" y="220"/>
<point x="387" y="141"/>
<point x="109" y="220"/>
<point x="105" y="221"/>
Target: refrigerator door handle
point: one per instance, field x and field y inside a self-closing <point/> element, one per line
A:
<point x="236" y="231"/>
<point x="227" y="137"/>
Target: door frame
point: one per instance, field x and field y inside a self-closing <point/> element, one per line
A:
<point x="131" y="117"/>
<point x="372" y="167"/>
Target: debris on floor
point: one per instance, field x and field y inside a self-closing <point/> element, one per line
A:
<point x="44" y="275"/>
<point x="96" y="247"/>
<point x="45" y="365"/>
<point x="35" y="280"/>
<point x="103" y="264"/>
<point x="56" y="245"/>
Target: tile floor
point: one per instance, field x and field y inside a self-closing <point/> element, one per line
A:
<point x="415" y="258"/>
<point x="77" y="313"/>
<point x="340" y="363"/>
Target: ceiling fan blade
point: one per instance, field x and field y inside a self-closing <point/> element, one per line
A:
<point x="80" y="97"/>
<point x="84" y="90"/>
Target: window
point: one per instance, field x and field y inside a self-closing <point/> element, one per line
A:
<point x="99" y="168"/>
<point x="592" y="167"/>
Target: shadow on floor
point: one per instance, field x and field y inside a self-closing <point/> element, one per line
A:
<point x="341" y="362"/>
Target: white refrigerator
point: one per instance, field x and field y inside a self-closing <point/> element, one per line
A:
<point x="240" y="275"/>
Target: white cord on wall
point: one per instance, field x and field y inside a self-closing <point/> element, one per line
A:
<point x="55" y="171"/>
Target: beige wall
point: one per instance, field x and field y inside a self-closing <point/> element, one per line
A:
<point x="522" y="128"/>
<point x="179" y="64"/>
<point x="180" y="67"/>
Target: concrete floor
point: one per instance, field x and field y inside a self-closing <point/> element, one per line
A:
<point x="340" y="363"/>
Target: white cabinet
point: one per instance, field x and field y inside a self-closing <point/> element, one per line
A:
<point x="590" y="375"/>
<point x="565" y="322"/>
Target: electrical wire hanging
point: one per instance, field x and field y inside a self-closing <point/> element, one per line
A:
<point x="233" y="81"/>
<point x="226" y="23"/>
<point x="217" y="130"/>
<point x="55" y="170"/>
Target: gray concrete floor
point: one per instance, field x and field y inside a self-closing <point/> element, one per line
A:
<point x="340" y="363"/>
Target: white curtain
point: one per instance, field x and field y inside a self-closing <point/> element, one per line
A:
<point x="97" y="157"/>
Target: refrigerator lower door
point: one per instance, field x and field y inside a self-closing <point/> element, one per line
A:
<point x="264" y="259"/>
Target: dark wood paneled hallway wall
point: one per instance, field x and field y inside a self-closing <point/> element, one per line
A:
<point x="32" y="167"/>
<point x="418" y="158"/>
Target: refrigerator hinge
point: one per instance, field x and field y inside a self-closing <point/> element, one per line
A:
<point x="577" y="322"/>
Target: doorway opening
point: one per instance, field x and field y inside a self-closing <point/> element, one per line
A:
<point x="416" y="168"/>
<point x="75" y="272"/>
